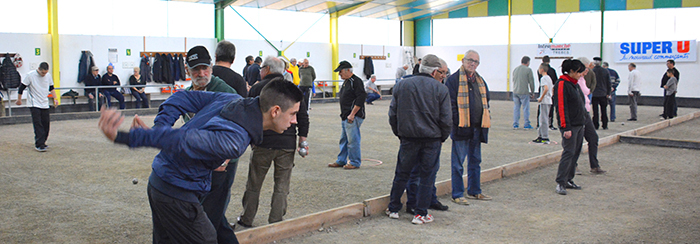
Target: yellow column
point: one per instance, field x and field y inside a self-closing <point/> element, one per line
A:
<point x="335" y="57"/>
<point x="509" y="26"/>
<point x="52" y="6"/>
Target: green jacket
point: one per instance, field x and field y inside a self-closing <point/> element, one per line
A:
<point x="215" y="85"/>
<point x="307" y="75"/>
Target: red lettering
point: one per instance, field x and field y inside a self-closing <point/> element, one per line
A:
<point x="683" y="46"/>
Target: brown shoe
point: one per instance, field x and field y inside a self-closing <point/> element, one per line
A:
<point x="597" y="171"/>
<point x="334" y="165"/>
<point x="479" y="197"/>
<point x="350" y="166"/>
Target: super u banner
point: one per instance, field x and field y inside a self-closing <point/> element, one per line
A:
<point x="649" y="52"/>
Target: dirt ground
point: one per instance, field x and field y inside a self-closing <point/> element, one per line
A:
<point x="81" y="191"/>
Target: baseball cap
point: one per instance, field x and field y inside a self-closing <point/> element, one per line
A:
<point x="197" y="56"/>
<point x="343" y="65"/>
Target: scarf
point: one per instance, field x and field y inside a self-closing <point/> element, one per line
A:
<point x="463" y="100"/>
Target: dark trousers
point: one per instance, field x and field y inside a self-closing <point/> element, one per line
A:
<point x="634" y="98"/>
<point x="414" y="182"/>
<point x="601" y="102"/>
<point x="591" y="137"/>
<point x="216" y="202"/>
<point x="670" y="106"/>
<point x="371" y="97"/>
<point x="177" y="221"/>
<point x="551" y="116"/>
<point x="569" y="157"/>
<point x="41" y="121"/>
<point x="116" y="94"/>
<point x="307" y="93"/>
<point x="100" y="101"/>
<point x="422" y="154"/>
<point x="141" y="99"/>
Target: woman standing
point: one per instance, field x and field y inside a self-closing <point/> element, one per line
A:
<point x="138" y="92"/>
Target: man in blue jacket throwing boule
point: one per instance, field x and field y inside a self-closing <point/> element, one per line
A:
<point x="223" y="127"/>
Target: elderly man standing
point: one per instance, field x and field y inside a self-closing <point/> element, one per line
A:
<point x="216" y="200"/>
<point x="471" y="121"/>
<point x="420" y="114"/>
<point x="635" y="82"/>
<point x="308" y="76"/>
<point x="352" y="113"/>
<point x="275" y="147"/>
<point x="601" y="94"/>
<point x="523" y="90"/>
<point x="225" y="55"/>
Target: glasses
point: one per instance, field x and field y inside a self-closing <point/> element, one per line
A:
<point x="473" y="61"/>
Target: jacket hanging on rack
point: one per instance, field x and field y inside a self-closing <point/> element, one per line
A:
<point x="9" y="77"/>
<point x="369" y="67"/>
<point x="176" y="68"/>
<point x="85" y="64"/>
<point x="167" y="69"/>
<point x="181" y="62"/>
<point x="145" y="67"/>
<point x="158" y="69"/>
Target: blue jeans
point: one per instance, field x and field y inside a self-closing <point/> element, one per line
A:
<point x="613" y="98"/>
<point x="471" y="149"/>
<point x="116" y="94"/>
<point x="371" y="97"/>
<point x="521" y="101"/>
<point x="350" y="143"/>
<point x="425" y="155"/>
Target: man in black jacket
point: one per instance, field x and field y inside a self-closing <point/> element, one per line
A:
<point x="253" y="73"/>
<point x="352" y="113"/>
<point x="420" y="114"/>
<point x="225" y="54"/>
<point x="276" y="147"/>
<point x="601" y="94"/>
<point x="93" y="79"/>
<point x="111" y="79"/>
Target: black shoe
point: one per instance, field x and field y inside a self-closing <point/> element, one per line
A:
<point x="439" y="206"/>
<point x="243" y="224"/>
<point x="410" y="210"/>
<point x="552" y="128"/>
<point x="631" y="119"/>
<point x="612" y="120"/>
<point x="572" y="185"/>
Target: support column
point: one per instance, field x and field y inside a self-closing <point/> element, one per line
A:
<point x="52" y="6"/>
<point x="602" y="25"/>
<point x="335" y="56"/>
<point x="219" y="23"/>
<point x="408" y="36"/>
<point x="510" y="9"/>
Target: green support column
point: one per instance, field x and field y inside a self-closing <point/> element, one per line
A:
<point x="602" y="25"/>
<point x="219" y="22"/>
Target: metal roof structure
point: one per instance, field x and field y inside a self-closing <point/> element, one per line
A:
<point x="409" y="10"/>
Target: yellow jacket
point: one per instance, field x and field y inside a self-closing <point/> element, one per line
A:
<point x="295" y="74"/>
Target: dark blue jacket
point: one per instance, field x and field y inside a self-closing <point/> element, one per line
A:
<point x="464" y="133"/>
<point x="223" y="127"/>
<point x="420" y="109"/>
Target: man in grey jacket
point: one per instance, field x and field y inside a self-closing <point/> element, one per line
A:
<point x="420" y="114"/>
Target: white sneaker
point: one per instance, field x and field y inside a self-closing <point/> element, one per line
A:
<point x="418" y="219"/>
<point x="393" y="215"/>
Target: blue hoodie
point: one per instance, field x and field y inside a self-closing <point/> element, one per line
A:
<point x="223" y="128"/>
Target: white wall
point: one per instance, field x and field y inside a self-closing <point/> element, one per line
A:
<point x="494" y="60"/>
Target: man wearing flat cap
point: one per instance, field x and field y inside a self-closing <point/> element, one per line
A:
<point x="601" y="94"/>
<point x="352" y="113"/>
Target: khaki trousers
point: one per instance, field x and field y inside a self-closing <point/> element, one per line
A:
<point x="260" y="161"/>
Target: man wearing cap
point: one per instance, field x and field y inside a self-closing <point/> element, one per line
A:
<point x="601" y="94"/>
<point x="352" y="113"/>
<point x="93" y="79"/>
<point x="420" y="114"/>
<point x="216" y="201"/>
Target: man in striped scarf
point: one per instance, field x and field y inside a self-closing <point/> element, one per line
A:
<point x="471" y="122"/>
